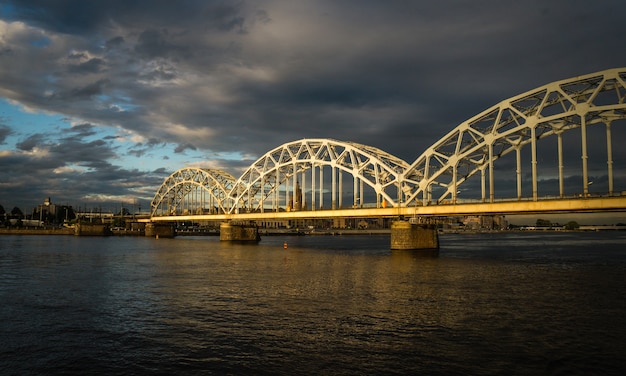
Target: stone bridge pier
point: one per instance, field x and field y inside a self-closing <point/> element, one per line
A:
<point x="239" y="232"/>
<point x="413" y="236"/>
<point x="160" y="230"/>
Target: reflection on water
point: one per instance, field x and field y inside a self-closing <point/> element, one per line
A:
<point x="484" y="304"/>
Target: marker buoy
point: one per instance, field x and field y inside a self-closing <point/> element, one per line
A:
<point x="285" y="245"/>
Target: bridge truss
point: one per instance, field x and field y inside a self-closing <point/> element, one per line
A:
<point x="516" y="124"/>
<point x="194" y="191"/>
<point x="289" y="178"/>
<point x="316" y="174"/>
<point x="350" y="167"/>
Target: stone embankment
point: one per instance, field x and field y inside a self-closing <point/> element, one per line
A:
<point x="79" y="230"/>
<point x="36" y="231"/>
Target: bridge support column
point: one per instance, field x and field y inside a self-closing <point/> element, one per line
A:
<point x="87" y="229"/>
<point x="239" y="232"/>
<point x="160" y="230"/>
<point x="409" y="236"/>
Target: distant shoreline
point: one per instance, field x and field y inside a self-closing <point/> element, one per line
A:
<point x="36" y="231"/>
<point x="293" y="232"/>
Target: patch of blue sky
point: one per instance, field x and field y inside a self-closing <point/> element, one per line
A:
<point x="116" y="103"/>
<point x="99" y="133"/>
<point x="122" y="106"/>
<point x="25" y="123"/>
<point x="232" y="156"/>
<point x="51" y="78"/>
<point x="7" y="11"/>
<point x="165" y="157"/>
<point x="154" y="158"/>
<point x="41" y="42"/>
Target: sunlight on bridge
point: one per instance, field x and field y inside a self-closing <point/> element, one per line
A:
<point x="535" y="147"/>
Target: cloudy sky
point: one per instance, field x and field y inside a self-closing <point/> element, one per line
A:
<point x="101" y="100"/>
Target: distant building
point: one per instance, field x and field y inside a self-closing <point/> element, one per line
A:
<point x="485" y="222"/>
<point x="295" y="203"/>
<point x="49" y="213"/>
<point x="95" y="216"/>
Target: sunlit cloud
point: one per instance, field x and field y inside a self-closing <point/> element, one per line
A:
<point x="68" y="170"/>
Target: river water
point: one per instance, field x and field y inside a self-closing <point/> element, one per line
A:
<point x="486" y="304"/>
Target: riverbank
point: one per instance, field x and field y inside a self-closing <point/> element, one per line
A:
<point x="79" y="230"/>
<point x="36" y="231"/>
<point x="279" y="232"/>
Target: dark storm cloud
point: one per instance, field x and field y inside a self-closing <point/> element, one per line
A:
<point x="115" y="42"/>
<point x="92" y="154"/>
<point x="94" y="65"/>
<point x="182" y="148"/>
<point x="82" y="130"/>
<point x="5" y="131"/>
<point x="156" y="43"/>
<point x="243" y="77"/>
<point x="85" y="92"/>
<point x="406" y="59"/>
<point x="31" y="142"/>
<point x="86" y="17"/>
<point x="142" y="149"/>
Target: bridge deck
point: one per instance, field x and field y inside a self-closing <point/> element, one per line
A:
<point x="588" y="205"/>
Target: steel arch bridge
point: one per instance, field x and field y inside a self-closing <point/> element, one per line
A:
<point x="518" y="123"/>
<point x="317" y="174"/>
<point x="193" y="191"/>
<point x="280" y="176"/>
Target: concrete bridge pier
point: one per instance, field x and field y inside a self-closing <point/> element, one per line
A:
<point x="160" y="230"/>
<point x="89" y="229"/>
<point x="239" y="232"/>
<point x="413" y="236"/>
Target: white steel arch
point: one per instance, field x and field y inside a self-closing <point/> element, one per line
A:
<point x="515" y="123"/>
<point x="280" y="176"/>
<point x="278" y="180"/>
<point x="193" y="191"/>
